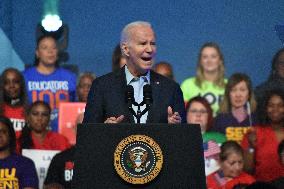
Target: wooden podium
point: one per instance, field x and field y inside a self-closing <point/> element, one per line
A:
<point x="181" y="147"/>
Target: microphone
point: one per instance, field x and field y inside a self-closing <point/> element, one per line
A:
<point x="129" y="97"/>
<point x="147" y="95"/>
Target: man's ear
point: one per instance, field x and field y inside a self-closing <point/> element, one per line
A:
<point x="125" y="49"/>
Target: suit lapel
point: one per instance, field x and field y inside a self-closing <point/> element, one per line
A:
<point x="154" y="112"/>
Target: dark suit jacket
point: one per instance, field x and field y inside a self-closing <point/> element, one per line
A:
<point x="107" y="98"/>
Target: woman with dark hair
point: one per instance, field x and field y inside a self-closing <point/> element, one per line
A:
<point x="275" y="79"/>
<point x="209" y="81"/>
<point x="237" y="108"/>
<point x="16" y="170"/>
<point x="262" y="141"/>
<point x="13" y="97"/>
<point x="231" y="160"/>
<point x="35" y="134"/>
<point x="46" y="81"/>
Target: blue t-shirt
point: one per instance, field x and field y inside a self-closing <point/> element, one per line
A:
<point x="59" y="86"/>
<point x="17" y="172"/>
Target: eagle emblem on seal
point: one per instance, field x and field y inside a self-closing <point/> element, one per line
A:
<point x="138" y="159"/>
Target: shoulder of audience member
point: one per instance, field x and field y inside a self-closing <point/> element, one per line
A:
<point x="188" y="81"/>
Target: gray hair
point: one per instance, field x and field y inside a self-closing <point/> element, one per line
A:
<point x="125" y="34"/>
<point x="85" y="74"/>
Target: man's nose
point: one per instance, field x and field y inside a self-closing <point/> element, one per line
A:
<point x="149" y="48"/>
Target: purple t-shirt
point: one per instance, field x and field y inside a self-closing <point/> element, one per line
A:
<point x="17" y="172"/>
<point x="227" y="124"/>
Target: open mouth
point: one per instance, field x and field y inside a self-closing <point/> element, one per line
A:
<point x="146" y="58"/>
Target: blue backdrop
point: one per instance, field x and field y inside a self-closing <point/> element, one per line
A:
<point x="243" y="29"/>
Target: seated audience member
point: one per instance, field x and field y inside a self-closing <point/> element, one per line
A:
<point x="83" y="86"/>
<point x="209" y="81"/>
<point x="275" y="79"/>
<point x="60" y="170"/>
<point x="16" y="171"/>
<point x="48" y="82"/>
<point x="165" y="69"/>
<point x="237" y="108"/>
<point x="261" y="143"/>
<point x="118" y="61"/>
<point x="13" y="98"/>
<point x="198" y="111"/>
<point x="35" y="134"/>
<point x="231" y="168"/>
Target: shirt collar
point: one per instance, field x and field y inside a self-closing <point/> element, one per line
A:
<point x="130" y="77"/>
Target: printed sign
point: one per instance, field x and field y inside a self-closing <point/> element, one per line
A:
<point x="41" y="159"/>
<point x="70" y="113"/>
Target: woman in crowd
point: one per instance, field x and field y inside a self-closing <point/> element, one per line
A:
<point x="35" y="134"/>
<point x="231" y="168"/>
<point x="237" y="108"/>
<point x="83" y="86"/>
<point x="261" y="143"/>
<point x="209" y="81"/>
<point x="199" y="112"/>
<point x="46" y="81"/>
<point x="13" y="98"/>
<point x="16" y="171"/>
<point x="275" y="79"/>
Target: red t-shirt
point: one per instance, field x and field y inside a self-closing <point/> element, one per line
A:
<point x="52" y="141"/>
<point x="17" y="117"/>
<point x="215" y="182"/>
<point x="267" y="163"/>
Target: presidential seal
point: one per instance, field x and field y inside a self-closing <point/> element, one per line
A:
<point x="138" y="159"/>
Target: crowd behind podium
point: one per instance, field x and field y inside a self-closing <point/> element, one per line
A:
<point x="242" y="127"/>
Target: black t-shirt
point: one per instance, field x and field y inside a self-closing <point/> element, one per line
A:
<point x="61" y="168"/>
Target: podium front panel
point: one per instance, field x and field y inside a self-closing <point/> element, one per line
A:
<point x="181" y="145"/>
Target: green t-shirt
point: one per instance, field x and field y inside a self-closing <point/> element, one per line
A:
<point x="219" y="138"/>
<point x="208" y="90"/>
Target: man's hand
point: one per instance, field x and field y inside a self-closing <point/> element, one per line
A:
<point x="173" y="117"/>
<point x="114" y="119"/>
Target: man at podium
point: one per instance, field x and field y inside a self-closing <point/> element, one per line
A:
<point x="135" y="94"/>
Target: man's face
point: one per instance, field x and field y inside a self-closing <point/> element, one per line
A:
<point x="4" y="137"/>
<point x="140" y="49"/>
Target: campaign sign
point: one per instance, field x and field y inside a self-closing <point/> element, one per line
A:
<point x="70" y="114"/>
